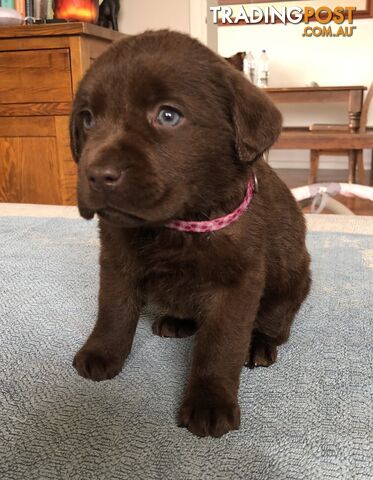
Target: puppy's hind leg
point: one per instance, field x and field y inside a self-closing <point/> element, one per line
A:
<point x="262" y="352"/>
<point x="273" y="323"/>
<point x="167" y="326"/>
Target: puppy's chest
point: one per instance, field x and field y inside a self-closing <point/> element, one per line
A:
<point x="177" y="276"/>
<point x="171" y="283"/>
<point x="172" y="287"/>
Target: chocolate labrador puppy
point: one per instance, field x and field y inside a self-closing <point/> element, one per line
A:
<point x="169" y="139"/>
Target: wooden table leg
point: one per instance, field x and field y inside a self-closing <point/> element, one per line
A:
<point x="360" y="167"/>
<point x="352" y="158"/>
<point x="314" y="166"/>
<point x="355" y="104"/>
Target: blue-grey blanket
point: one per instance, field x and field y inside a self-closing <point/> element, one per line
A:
<point x="307" y="417"/>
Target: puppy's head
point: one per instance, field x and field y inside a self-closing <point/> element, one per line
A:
<point x="161" y="127"/>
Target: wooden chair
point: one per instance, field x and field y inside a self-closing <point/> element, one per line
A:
<point x="355" y="157"/>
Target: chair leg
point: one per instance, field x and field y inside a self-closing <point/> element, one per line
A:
<point x="314" y="166"/>
<point x="352" y="166"/>
<point x="371" y="170"/>
<point x="360" y="167"/>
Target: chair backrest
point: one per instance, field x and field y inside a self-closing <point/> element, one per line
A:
<point x="365" y="109"/>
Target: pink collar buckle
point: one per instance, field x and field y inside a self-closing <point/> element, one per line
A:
<point x="220" y="222"/>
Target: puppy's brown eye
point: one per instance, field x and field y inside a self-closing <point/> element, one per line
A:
<point x="169" y="117"/>
<point x="87" y="119"/>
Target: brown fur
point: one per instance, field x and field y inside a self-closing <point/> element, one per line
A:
<point x="239" y="288"/>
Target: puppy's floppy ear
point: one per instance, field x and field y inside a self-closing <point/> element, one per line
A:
<point x="237" y="60"/>
<point x="257" y="122"/>
<point x="76" y="137"/>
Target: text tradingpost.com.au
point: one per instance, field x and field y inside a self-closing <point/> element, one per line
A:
<point x="270" y="14"/>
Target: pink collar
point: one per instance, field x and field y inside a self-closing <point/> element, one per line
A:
<point x="217" y="223"/>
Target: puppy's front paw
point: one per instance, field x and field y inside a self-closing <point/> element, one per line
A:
<point x="96" y="365"/>
<point x="206" y="413"/>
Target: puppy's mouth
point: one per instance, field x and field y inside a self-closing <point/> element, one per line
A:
<point x="112" y="215"/>
<point x="119" y="217"/>
<point x="108" y="210"/>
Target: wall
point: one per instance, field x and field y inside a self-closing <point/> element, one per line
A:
<point x="188" y="16"/>
<point x="138" y="15"/>
<point x="296" y="60"/>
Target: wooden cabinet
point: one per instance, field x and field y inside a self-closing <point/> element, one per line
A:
<point x="40" y="68"/>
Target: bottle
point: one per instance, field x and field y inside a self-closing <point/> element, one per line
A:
<point x="249" y="66"/>
<point x="263" y="70"/>
<point x="29" y="8"/>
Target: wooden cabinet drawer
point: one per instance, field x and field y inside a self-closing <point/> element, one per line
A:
<point x="30" y="76"/>
<point x="29" y="171"/>
<point x="27" y="127"/>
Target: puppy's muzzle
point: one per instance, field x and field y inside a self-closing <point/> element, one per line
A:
<point x="103" y="179"/>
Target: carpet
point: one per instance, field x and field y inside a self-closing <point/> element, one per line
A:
<point x="307" y="417"/>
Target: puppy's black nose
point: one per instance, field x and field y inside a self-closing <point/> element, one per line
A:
<point x="103" y="178"/>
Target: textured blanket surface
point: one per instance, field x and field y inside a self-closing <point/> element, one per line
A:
<point x="307" y="417"/>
